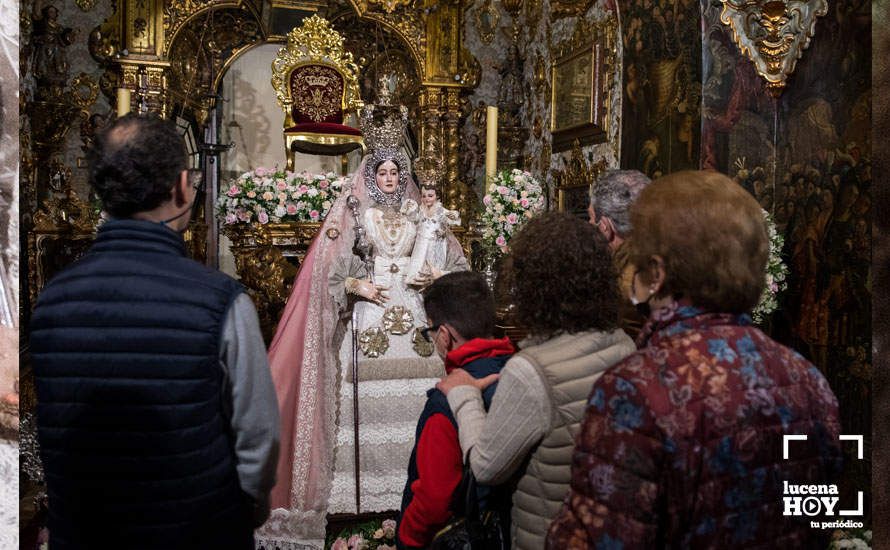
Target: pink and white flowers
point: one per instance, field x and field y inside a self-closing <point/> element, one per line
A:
<point x="776" y="273"/>
<point x="513" y="197"/>
<point x="269" y="195"/>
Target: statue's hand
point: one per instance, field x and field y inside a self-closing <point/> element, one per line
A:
<point x="427" y="275"/>
<point x="367" y="290"/>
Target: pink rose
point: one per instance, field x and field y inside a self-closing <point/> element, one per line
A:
<point x="291" y="209"/>
<point x="356" y="542"/>
<point x="524" y="203"/>
<point x="281" y="186"/>
<point x="501" y="241"/>
<point x="243" y="215"/>
<point x="260" y="172"/>
<point x="340" y="544"/>
<point x="503" y="190"/>
<point x="512" y="219"/>
<point x="313" y="214"/>
<point x="233" y="191"/>
<point x="263" y="217"/>
<point x="231" y="218"/>
<point x="389" y="529"/>
<point x="486" y="200"/>
<point x="323" y="184"/>
<point x="303" y="189"/>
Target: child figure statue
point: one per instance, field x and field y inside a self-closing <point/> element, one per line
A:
<point x="432" y="219"/>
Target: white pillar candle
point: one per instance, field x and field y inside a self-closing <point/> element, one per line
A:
<point x="491" y="141"/>
<point x="123" y="101"/>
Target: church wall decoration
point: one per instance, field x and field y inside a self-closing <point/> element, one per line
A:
<point x="487" y="18"/>
<point x="773" y="34"/>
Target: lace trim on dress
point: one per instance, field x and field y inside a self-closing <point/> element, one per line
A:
<point x="287" y="530"/>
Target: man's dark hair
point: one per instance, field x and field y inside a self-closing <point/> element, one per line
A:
<point x="463" y="300"/>
<point x="134" y="164"/>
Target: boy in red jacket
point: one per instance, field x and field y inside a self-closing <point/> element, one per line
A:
<point x="460" y="312"/>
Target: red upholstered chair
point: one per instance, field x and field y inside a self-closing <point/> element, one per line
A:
<point x="316" y="84"/>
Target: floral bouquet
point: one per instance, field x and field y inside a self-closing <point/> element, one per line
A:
<point x="367" y="536"/>
<point x="267" y="195"/>
<point x="776" y="272"/>
<point x="513" y="197"/>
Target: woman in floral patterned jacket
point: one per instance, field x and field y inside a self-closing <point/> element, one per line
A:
<point x="681" y="445"/>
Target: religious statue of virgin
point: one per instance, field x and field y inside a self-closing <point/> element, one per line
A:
<point x="351" y="333"/>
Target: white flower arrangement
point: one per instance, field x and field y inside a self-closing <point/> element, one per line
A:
<point x="776" y="273"/>
<point x="513" y="197"/>
<point x="272" y="195"/>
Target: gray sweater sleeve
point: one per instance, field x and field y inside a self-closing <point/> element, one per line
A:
<point x="519" y="417"/>
<point x="250" y="402"/>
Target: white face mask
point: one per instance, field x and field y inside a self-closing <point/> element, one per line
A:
<point x="641" y="306"/>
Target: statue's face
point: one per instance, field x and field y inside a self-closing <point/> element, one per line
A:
<point x="428" y="197"/>
<point x="388" y="177"/>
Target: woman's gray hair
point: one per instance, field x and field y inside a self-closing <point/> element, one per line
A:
<point x="613" y="194"/>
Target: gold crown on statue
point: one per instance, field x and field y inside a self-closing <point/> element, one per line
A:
<point x="383" y="124"/>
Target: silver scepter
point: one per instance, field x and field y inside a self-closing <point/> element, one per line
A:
<point x="361" y="248"/>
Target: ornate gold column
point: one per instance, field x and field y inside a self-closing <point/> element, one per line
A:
<point x="455" y="194"/>
<point x="140" y="63"/>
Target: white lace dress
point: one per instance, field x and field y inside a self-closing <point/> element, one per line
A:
<point x="395" y="370"/>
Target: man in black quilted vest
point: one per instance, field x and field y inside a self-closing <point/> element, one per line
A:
<point x="157" y="418"/>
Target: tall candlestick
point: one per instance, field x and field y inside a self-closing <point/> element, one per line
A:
<point x="491" y="142"/>
<point x="123" y="101"/>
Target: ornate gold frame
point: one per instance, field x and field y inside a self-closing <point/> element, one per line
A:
<point x="603" y="54"/>
<point x="486" y="35"/>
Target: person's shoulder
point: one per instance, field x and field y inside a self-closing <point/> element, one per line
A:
<point x="437" y="403"/>
<point x="210" y="276"/>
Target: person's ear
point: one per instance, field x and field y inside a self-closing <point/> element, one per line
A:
<point x="450" y="337"/>
<point x="607" y="229"/>
<point x="656" y="273"/>
<point x="181" y="189"/>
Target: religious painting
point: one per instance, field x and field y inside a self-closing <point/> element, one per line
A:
<point x="662" y="85"/>
<point x="577" y="102"/>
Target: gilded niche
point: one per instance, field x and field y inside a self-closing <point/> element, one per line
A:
<point x="773" y="34"/>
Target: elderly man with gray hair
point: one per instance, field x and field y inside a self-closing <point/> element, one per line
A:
<point x="610" y="201"/>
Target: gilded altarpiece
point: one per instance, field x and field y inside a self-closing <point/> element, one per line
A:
<point x="172" y="55"/>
